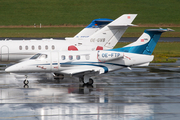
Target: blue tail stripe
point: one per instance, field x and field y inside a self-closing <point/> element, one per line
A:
<point x="152" y="44"/>
<point x="134" y="49"/>
<point x="98" y="23"/>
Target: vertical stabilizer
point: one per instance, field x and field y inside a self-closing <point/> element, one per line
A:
<point x="109" y="35"/>
<point x="93" y="27"/>
<point x="145" y="43"/>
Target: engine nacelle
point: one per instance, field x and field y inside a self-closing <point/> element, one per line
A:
<point x="104" y="56"/>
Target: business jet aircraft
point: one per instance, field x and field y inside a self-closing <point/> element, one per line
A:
<point x="93" y="37"/>
<point x="7" y="52"/>
<point x="85" y="64"/>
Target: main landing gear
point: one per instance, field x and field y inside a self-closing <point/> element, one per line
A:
<point x="86" y="80"/>
<point x="58" y="76"/>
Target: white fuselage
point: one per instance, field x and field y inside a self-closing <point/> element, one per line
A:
<point x="72" y="62"/>
<point x="16" y="50"/>
<point x="89" y="39"/>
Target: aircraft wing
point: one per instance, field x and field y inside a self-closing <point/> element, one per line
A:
<point x="76" y="71"/>
<point x="73" y="72"/>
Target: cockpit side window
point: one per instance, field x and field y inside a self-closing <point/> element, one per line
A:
<point x="35" y="56"/>
<point x="43" y="56"/>
<point x="39" y="56"/>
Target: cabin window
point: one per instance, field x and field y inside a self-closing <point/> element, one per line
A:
<point x="33" y="47"/>
<point x="78" y="57"/>
<point x="63" y="57"/>
<point x="20" y="47"/>
<point x="53" y="47"/>
<point x="39" y="47"/>
<point x="46" y="47"/>
<point x="87" y="57"/>
<point x="26" y="47"/>
<point x="70" y="57"/>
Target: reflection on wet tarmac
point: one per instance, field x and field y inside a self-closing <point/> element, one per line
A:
<point x="143" y="93"/>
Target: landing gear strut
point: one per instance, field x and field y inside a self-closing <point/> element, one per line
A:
<point x="58" y="76"/>
<point x="86" y="80"/>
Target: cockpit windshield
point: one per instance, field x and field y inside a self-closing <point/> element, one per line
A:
<point x="39" y="56"/>
<point x="35" y="56"/>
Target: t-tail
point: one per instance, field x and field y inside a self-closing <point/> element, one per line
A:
<point x="109" y="35"/>
<point x="145" y="43"/>
<point x="93" y="27"/>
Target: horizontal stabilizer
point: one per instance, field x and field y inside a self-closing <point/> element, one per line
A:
<point x="125" y="19"/>
<point x="122" y="25"/>
<point x="110" y="34"/>
<point x="160" y="30"/>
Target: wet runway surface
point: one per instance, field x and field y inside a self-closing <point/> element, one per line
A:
<point x="150" y="93"/>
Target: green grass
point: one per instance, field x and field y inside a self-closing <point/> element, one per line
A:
<point x="163" y="51"/>
<point x="137" y="31"/>
<point x="55" y="32"/>
<point x="75" y="12"/>
<point x="40" y="32"/>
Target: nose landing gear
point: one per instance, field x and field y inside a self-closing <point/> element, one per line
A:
<point x="26" y="82"/>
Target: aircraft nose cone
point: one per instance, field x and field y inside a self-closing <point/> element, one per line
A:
<point x="12" y="69"/>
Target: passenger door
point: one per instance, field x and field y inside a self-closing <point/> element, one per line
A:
<point x="54" y="61"/>
<point x="4" y="53"/>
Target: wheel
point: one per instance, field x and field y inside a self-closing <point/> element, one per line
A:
<point x="61" y="76"/>
<point x="90" y="81"/>
<point x="84" y="80"/>
<point x="26" y="82"/>
<point x="26" y="86"/>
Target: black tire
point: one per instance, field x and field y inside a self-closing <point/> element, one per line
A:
<point x="26" y="82"/>
<point x="90" y="81"/>
<point x="26" y="86"/>
<point x="61" y="76"/>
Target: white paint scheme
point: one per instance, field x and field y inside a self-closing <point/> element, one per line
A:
<point x="85" y="64"/>
<point x="85" y="33"/>
<point x="145" y="37"/>
<point x="104" y="56"/>
<point x="92" y="66"/>
<point x="107" y="37"/>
